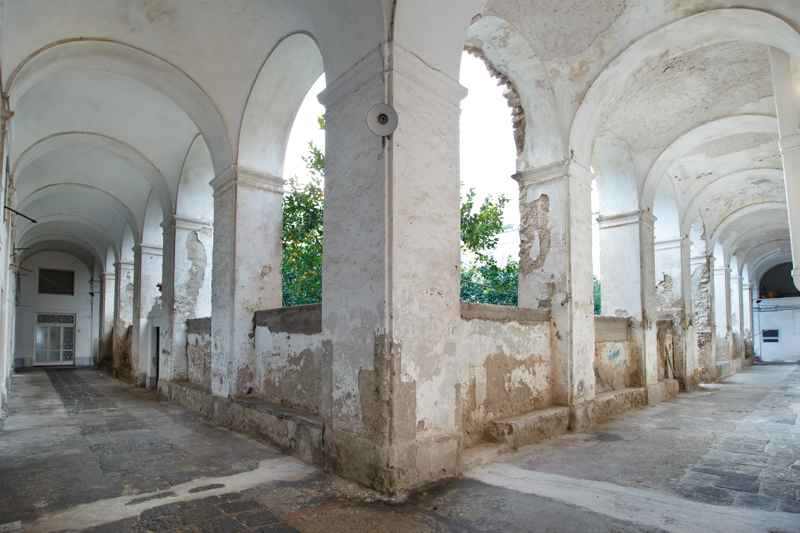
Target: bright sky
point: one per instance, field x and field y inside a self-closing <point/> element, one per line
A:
<point x="488" y="155"/>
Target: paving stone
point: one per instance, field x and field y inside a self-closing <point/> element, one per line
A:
<point x="239" y="506"/>
<point x="164" y="523"/>
<point x="222" y="524"/>
<point x="257" y="518"/>
<point x="276" y="528"/>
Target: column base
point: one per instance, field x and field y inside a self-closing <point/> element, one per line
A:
<point x="661" y="391"/>
<point x="390" y="469"/>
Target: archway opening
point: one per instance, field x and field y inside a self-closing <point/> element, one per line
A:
<point x="303" y="203"/>
<point x="489" y="207"/>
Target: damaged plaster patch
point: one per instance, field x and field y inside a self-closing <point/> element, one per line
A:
<point x="512" y="98"/>
<point x="535" y="237"/>
<point x="569" y="25"/>
<point x="196" y="254"/>
<point x="682" y="93"/>
<point x="734" y="143"/>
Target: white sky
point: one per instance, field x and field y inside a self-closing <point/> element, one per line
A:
<point x="488" y="155"/>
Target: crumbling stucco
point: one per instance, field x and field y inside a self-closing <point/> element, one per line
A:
<point x="506" y="371"/>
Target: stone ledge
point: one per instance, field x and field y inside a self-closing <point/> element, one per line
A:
<point x="662" y="391"/>
<point x="299" y="433"/>
<point x="611" y="404"/>
<point x="199" y="326"/>
<point x="305" y="319"/>
<point x="611" y="328"/>
<point x="528" y="428"/>
<point x="503" y="313"/>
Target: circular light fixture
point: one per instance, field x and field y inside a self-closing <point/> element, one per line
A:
<point x="382" y="119"/>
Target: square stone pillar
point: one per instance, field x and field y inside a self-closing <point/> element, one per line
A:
<point x="689" y="370"/>
<point x="737" y="309"/>
<point x="107" y="298"/>
<point x="555" y="273"/>
<point x="749" y="326"/>
<point x="391" y="274"/>
<point x="187" y="289"/>
<point x="722" y="312"/>
<point x="246" y="271"/>
<point x="146" y="275"/>
<point x="97" y="318"/>
<point x="123" y="316"/>
<point x="627" y="267"/>
<point x="703" y="305"/>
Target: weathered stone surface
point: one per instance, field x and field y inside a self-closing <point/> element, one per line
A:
<point x="610" y="405"/>
<point x="528" y="428"/>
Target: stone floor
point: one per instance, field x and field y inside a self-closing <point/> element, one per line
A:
<point x="80" y="451"/>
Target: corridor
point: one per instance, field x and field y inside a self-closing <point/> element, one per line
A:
<point x="81" y="451"/>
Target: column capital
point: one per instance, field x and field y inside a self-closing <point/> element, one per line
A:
<point x="669" y="244"/>
<point x="5" y="115"/>
<point x="108" y="275"/>
<point x="566" y="168"/>
<point x="790" y="143"/>
<point x="725" y="270"/>
<point x="698" y="260"/>
<point x="151" y="249"/>
<point x="119" y="265"/>
<point x="367" y="71"/>
<point x="187" y="223"/>
<point x="640" y="216"/>
<point x="239" y="175"/>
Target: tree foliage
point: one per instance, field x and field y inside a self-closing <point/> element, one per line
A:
<point x="597" y="308"/>
<point x="302" y="232"/>
<point x="483" y="280"/>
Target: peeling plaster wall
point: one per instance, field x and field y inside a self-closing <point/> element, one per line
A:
<point x="505" y="367"/>
<point x="702" y="287"/>
<point x="198" y="351"/>
<point x="615" y="359"/>
<point x="288" y="357"/>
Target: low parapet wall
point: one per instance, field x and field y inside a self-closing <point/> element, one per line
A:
<point x="288" y="357"/>
<point x="506" y="362"/>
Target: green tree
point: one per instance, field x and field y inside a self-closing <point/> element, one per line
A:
<point x="302" y="232"/>
<point x="483" y="280"/>
<point x="597" y="310"/>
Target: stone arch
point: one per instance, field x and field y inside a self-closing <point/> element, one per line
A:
<point x="706" y="133"/>
<point x="617" y="191"/>
<point x="195" y="198"/>
<point x="290" y="71"/>
<point x="62" y="189"/>
<point x="104" y="144"/>
<point x="673" y="40"/>
<point x="151" y="223"/>
<point x="89" y="255"/>
<point x="138" y="64"/>
<point x="746" y="212"/>
<point x="509" y="57"/>
<point x="665" y="209"/>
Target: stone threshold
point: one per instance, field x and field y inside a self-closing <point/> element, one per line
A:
<point x="293" y="431"/>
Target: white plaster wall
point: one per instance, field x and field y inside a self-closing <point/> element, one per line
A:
<point x="31" y="302"/>
<point x="783" y="315"/>
<point x="289" y="368"/>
